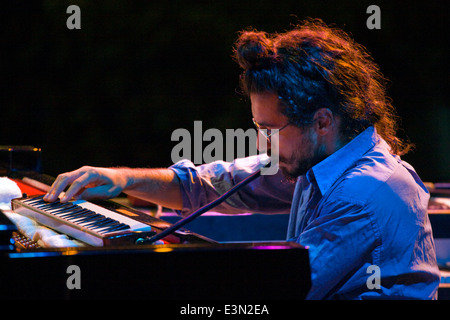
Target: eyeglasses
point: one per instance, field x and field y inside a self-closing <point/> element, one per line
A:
<point x="267" y="133"/>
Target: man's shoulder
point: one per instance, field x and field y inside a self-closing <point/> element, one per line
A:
<point x="370" y="174"/>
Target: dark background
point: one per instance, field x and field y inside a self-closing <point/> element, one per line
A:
<point x="112" y="93"/>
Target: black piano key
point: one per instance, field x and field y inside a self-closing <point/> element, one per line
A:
<point x="48" y="206"/>
<point x="57" y="201"/>
<point x="108" y="226"/>
<point x="68" y="211"/>
<point x="99" y="223"/>
<point x="94" y="221"/>
<point x="64" y="209"/>
<point x="104" y="226"/>
<point x="81" y="220"/>
<point x="88" y="216"/>
<point x="112" y="223"/>
<point x="112" y="227"/>
<point x="72" y="217"/>
<point x="98" y="217"/>
<point x="84" y="221"/>
<point x="36" y="200"/>
<point x="64" y="205"/>
<point x="121" y="226"/>
<point x="100" y="229"/>
<point x="74" y="213"/>
<point x="105" y="230"/>
<point x="106" y="220"/>
<point x="118" y="227"/>
<point x="33" y="199"/>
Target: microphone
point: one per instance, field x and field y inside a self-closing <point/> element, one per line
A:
<point x="203" y="209"/>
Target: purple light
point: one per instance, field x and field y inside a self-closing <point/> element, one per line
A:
<point x="272" y="247"/>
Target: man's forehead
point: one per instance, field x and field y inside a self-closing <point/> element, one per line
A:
<point x="266" y="109"/>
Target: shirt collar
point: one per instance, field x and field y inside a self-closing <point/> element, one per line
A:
<point x="326" y="172"/>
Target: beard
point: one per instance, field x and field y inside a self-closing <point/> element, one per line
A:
<point x="306" y="155"/>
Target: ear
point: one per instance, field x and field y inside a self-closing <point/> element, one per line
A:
<point x="323" y="121"/>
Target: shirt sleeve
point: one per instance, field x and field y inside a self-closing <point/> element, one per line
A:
<point x="202" y="184"/>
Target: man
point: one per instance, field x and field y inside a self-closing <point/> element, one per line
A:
<point x="352" y="200"/>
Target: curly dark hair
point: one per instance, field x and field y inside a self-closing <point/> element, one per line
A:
<point x="317" y="66"/>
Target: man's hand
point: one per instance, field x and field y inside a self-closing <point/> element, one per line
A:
<point x="88" y="183"/>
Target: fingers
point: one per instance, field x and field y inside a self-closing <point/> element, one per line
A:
<point x="85" y="183"/>
<point x="78" y="179"/>
<point x="61" y="182"/>
<point x="77" y="186"/>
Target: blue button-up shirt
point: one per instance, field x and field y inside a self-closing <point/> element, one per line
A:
<point x="362" y="212"/>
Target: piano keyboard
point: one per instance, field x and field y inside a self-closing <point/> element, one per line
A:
<point x="83" y="220"/>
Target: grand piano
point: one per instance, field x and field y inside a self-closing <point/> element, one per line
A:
<point x="113" y="260"/>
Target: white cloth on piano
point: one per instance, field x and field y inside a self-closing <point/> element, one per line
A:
<point x="8" y="190"/>
<point x="45" y="237"/>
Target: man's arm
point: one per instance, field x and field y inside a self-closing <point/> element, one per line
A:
<point x="160" y="186"/>
<point x="183" y="186"/>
